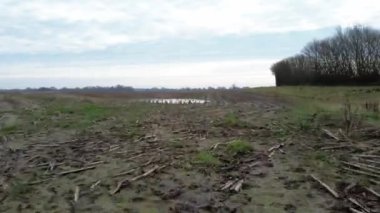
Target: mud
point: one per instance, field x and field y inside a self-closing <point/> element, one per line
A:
<point x="120" y="140"/>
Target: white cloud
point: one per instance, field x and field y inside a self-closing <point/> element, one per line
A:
<point x="174" y="75"/>
<point x="80" y="25"/>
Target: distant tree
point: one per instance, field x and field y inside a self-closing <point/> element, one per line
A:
<point x="351" y="56"/>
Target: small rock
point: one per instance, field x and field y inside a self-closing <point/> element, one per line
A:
<point x="299" y="170"/>
<point x="290" y="208"/>
<point x="171" y="194"/>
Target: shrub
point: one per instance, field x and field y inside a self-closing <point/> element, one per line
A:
<point x="239" y="147"/>
<point x="206" y="159"/>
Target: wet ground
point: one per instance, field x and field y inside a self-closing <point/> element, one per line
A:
<point x="175" y="101"/>
<point x="83" y="153"/>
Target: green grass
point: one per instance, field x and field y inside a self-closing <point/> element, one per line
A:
<point x="93" y="112"/>
<point x="232" y="120"/>
<point x="206" y="158"/>
<point x="9" y="129"/>
<point x="89" y="111"/>
<point x="80" y="115"/>
<point x="239" y="147"/>
<point x="321" y="160"/>
<point x="312" y="106"/>
<point x="372" y="117"/>
<point x="18" y="190"/>
<point x="175" y="143"/>
<point x="330" y="94"/>
<point x="137" y="111"/>
<point x="123" y="120"/>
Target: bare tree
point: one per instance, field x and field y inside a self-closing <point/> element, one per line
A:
<point x="351" y="56"/>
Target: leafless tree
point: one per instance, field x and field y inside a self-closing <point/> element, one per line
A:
<point x="351" y="56"/>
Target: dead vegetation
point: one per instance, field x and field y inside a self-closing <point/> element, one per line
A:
<point x="244" y="153"/>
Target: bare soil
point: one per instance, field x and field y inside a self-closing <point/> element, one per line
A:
<point x="107" y="153"/>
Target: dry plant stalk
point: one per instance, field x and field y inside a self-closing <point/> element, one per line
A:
<point x="352" y="119"/>
<point x="347" y="115"/>
<point x="127" y="180"/>
<point x="324" y="185"/>
<point x="76" y="194"/>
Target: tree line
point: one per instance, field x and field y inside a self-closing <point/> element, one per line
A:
<point x="350" y="57"/>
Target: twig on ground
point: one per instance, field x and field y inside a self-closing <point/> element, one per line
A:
<point x="148" y="172"/>
<point x="124" y="173"/>
<point x="363" y="167"/>
<point x="76" y="194"/>
<point x="123" y="182"/>
<point x="76" y="170"/>
<point x="329" y="189"/>
<point x="361" y="172"/>
<point x="228" y="185"/>
<point x="95" y="184"/>
<point x="330" y="134"/>
<point x="149" y="162"/>
<point x="39" y="181"/>
<point x="374" y="181"/>
<point x="355" y="211"/>
<point x="355" y="202"/>
<point x="349" y="187"/>
<point x="238" y="185"/>
<point x="272" y="153"/>
<point x="46" y="145"/>
<point x="136" y="156"/>
<point x="336" y="147"/>
<point x="52" y="166"/>
<point x="215" y="146"/>
<point x="343" y="135"/>
<point x="254" y="164"/>
<point x="373" y="192"/>
<point x="34" y="157"/>
<point x="368" y="156"/>
<point x="5" y="195"/>
<point x="370" y="161"/>
<point x="64" y="142"/>
<point x="113" y="148"/>
<point x="275" y="147"/>
<point x="95" y="163"/>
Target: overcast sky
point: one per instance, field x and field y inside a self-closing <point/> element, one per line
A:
<point x="166" y="43"/>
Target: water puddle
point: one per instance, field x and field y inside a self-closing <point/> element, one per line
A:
<point x="175" y="101"/>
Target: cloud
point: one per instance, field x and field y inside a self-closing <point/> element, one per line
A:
<point x="173" y="75"/>
<point x="83" y="25"/>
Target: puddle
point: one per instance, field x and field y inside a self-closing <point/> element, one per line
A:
<point x="175" y="101"/>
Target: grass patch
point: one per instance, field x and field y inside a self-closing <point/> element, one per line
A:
<point x="329" y="95"/>
<point x="18" y="190"/>
<point x="321" y="160"/>
<point x="324" y="102"/>
<point x="75" y="115"/>
<point x="87" y="111"/>
<point x="239" y="147"/>
<point x="372" y="117"/>
<point x="68" y="113"/>
<point x="232" y="120"/>
<point x="175" y="143"/>
<point x="321" y="156"/>
<point x="94" y="112"/>
<point x="205" y="158"/>
<point x="8" y="129"/>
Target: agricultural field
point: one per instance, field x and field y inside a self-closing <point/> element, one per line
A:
<point x="285" y="149"/>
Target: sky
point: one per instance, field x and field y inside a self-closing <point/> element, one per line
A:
<point x="162" y="43"/>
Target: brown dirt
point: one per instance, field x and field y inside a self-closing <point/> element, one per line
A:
<point x="32" y="162"/>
